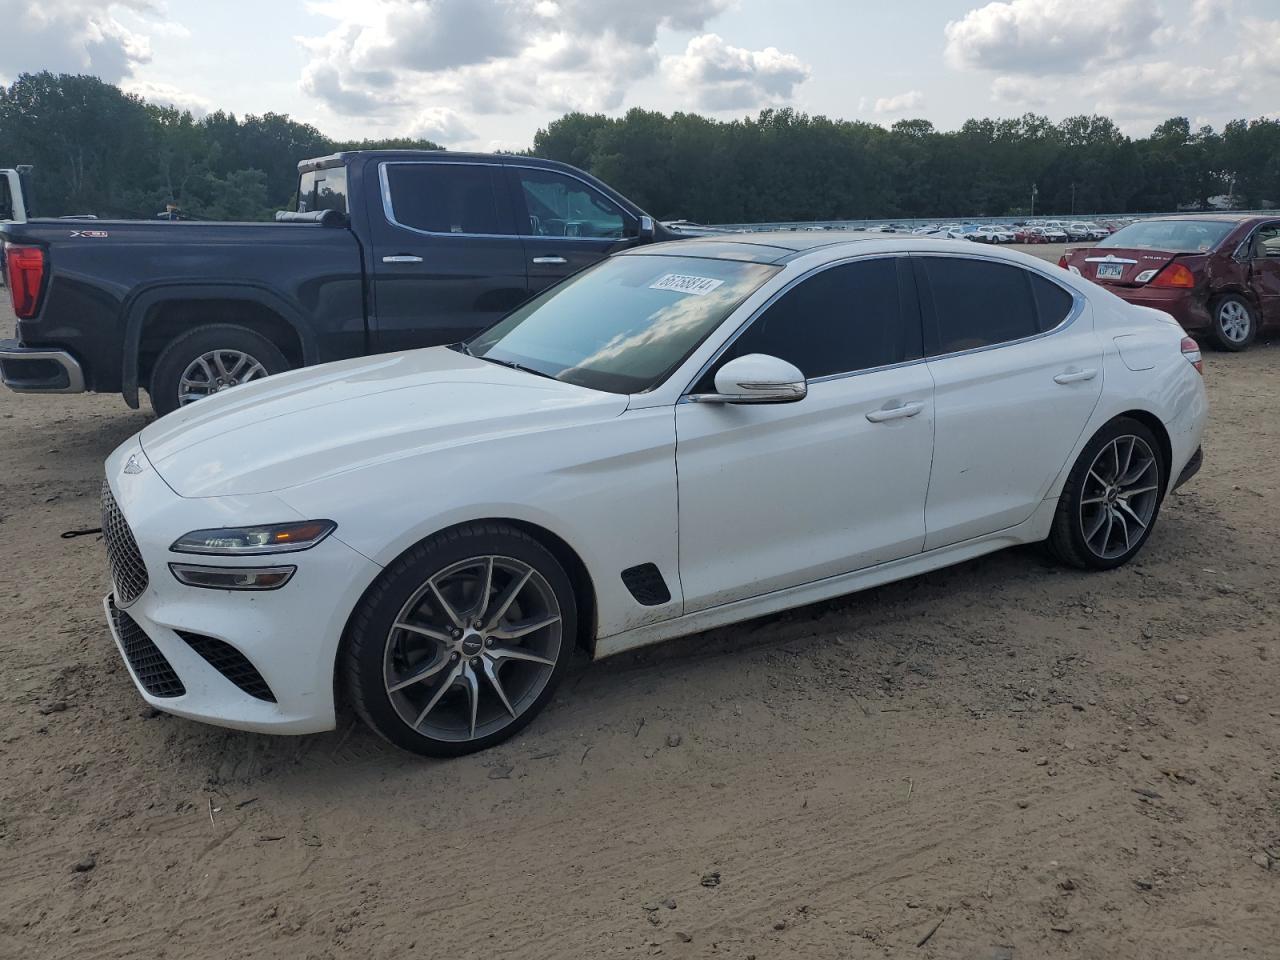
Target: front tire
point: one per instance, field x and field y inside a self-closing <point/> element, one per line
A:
<point x="461" y="642"/>
<point x="208" y="360"/>
<point x="1111" y="499"/>
<point x="1235" y="322"/>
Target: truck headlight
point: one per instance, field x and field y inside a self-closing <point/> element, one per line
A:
<point x="232" y="578"/>
<point x="251" y="541"/>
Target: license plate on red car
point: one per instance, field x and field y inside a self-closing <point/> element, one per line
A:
<point x="1110" y="271"/>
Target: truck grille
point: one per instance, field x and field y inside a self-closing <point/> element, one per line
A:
<point x="149" y="665"/>
<point x="128" y="572"/>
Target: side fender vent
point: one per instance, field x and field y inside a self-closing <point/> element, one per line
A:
<point x="646" y="585"/>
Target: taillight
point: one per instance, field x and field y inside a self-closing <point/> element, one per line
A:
<point x="1191" y="350"/>
<point x="26" y="278"/>
<point x="1175" y="275"/>
<point x="1062" y="261"/>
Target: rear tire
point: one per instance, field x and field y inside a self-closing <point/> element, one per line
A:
<point x="1111" y="499"/>
<point x="230" y="353"/>
<point x="1235" y="322"/>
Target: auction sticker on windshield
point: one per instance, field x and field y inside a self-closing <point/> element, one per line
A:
<point x="686" y="283"/>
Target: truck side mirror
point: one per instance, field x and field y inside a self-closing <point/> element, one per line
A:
<point x="646" y="228"/>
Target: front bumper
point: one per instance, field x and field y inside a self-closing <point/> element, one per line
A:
<point x="39" y="369"/>
<point x="251" y="660"/>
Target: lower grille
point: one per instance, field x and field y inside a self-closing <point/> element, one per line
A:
<point x="128" y="572"/>
<point x="145" y="659"/>
<point x="231" y="663"/>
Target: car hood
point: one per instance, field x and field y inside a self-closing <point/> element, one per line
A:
<point x="320" y="421"/>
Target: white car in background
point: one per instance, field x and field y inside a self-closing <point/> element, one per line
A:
<point x="432" y="532"/>
<point x="992" y="234"/>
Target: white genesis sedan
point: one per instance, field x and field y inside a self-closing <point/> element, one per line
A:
<point x="678" y="438"/>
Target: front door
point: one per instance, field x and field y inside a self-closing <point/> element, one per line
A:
<point x="773" y="496"/>
<point x="1264" y="272"/>
<point x="447" y="261"/>
<point x="1018" y="372"/>
<point x="566" y="223"/>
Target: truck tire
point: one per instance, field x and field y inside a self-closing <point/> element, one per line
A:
<point x="208" y="360"/>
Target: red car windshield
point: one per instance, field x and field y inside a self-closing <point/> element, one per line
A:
<point x="1174" y="236"/>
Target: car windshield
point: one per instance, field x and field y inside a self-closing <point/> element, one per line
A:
<point x="1174" y="236"/>
<point x="624" y="325"/>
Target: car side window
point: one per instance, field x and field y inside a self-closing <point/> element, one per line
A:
<point x="979" y="303"/>
<point x="1053" y="303"/>
<point x="840" y="320"/>
<point x="1266" y="242"/>
<point x="443" y="198"/>
<point x="560" y="206"/>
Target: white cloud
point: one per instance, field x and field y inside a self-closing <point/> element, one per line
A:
<point x="1040" y="37"/>
<point x="900" y="103"/>
<point x="72" y="36"/>
<point x="385" y="57"/>
<point x="167" y="95"/>
<point x="1262" y="45"/>
<point x="720" y="76"/>
<point x="441" y="124"/>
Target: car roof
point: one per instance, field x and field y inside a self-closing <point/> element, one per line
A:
<point x="773" y="246"/>
<point x="1209" y="217"/>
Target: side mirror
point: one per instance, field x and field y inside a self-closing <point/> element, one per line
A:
<point x="756" y="378"/>
<point x="645" y="231"/>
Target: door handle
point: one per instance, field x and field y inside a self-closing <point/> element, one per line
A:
<point x="1075" y="376"/>
<point x="550" y="260"/>
<point x="402" y="258"/>
<point x="899" y="412"/>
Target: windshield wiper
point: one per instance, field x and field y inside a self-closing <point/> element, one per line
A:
<point x="514" y="366"/>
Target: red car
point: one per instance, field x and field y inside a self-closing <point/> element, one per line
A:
<point x="1216" y="274"/>
<point x="1030" y="235"/>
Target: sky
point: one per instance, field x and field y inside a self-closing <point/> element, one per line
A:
<point x="487" y="74"/>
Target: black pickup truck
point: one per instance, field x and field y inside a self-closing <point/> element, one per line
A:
<point x="387" y="250"/>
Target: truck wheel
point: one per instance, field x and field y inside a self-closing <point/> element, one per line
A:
<point x="208" y="360"/>
<point x="1234" y="322"/>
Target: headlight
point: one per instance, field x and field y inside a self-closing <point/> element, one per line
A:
<point x="249" y="541"/>
<point x="232" y="578"/>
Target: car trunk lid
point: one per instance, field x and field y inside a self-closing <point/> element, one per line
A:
<point x="1117" y="266"/>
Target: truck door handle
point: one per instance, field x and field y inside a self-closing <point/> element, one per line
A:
<point x="550" y="260"/>
<point x="1075" y="376"/>
<point x="402" y="258"/>
<point x="898" y="412"/>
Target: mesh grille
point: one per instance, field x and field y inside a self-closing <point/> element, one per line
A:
<point x="148" y="663"/>
<point x="646" y="584"/>
<point x="128" y="572"/>
<point x="231" y="663"/>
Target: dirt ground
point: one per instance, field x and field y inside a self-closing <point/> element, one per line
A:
<point x="1005" y="759"/>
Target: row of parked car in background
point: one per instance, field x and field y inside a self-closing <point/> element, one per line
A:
<point x="1023" y="231"/>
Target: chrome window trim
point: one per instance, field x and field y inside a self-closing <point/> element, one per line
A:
<point x="1078" y="303"/>
<point x="1077" y="307"/>
<point x="685" y="394"/>
<point x="388" y="208"/>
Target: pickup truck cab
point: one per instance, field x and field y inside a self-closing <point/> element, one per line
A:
<point x="386" y="250"/>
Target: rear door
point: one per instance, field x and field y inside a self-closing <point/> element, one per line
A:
<point x="1264" y="271"/>
<point x="447" y="260"/>
<point x="566" y="223"/>
<point x="1017" y="372"/>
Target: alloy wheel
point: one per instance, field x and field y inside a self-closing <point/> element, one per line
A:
<point x="1119" y="498"/>
<point x="472" y="648"/>
<point x="1235" y="321"/>
<point x="216" y="371"/>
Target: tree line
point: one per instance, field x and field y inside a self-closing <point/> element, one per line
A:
<point x="100" y="150"/>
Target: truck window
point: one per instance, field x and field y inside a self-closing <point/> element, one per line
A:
<point x="442" y="198"/>
<point x="560" y="206"/>
<point x="323" y="190"/>
<point x="6" y="201"/>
